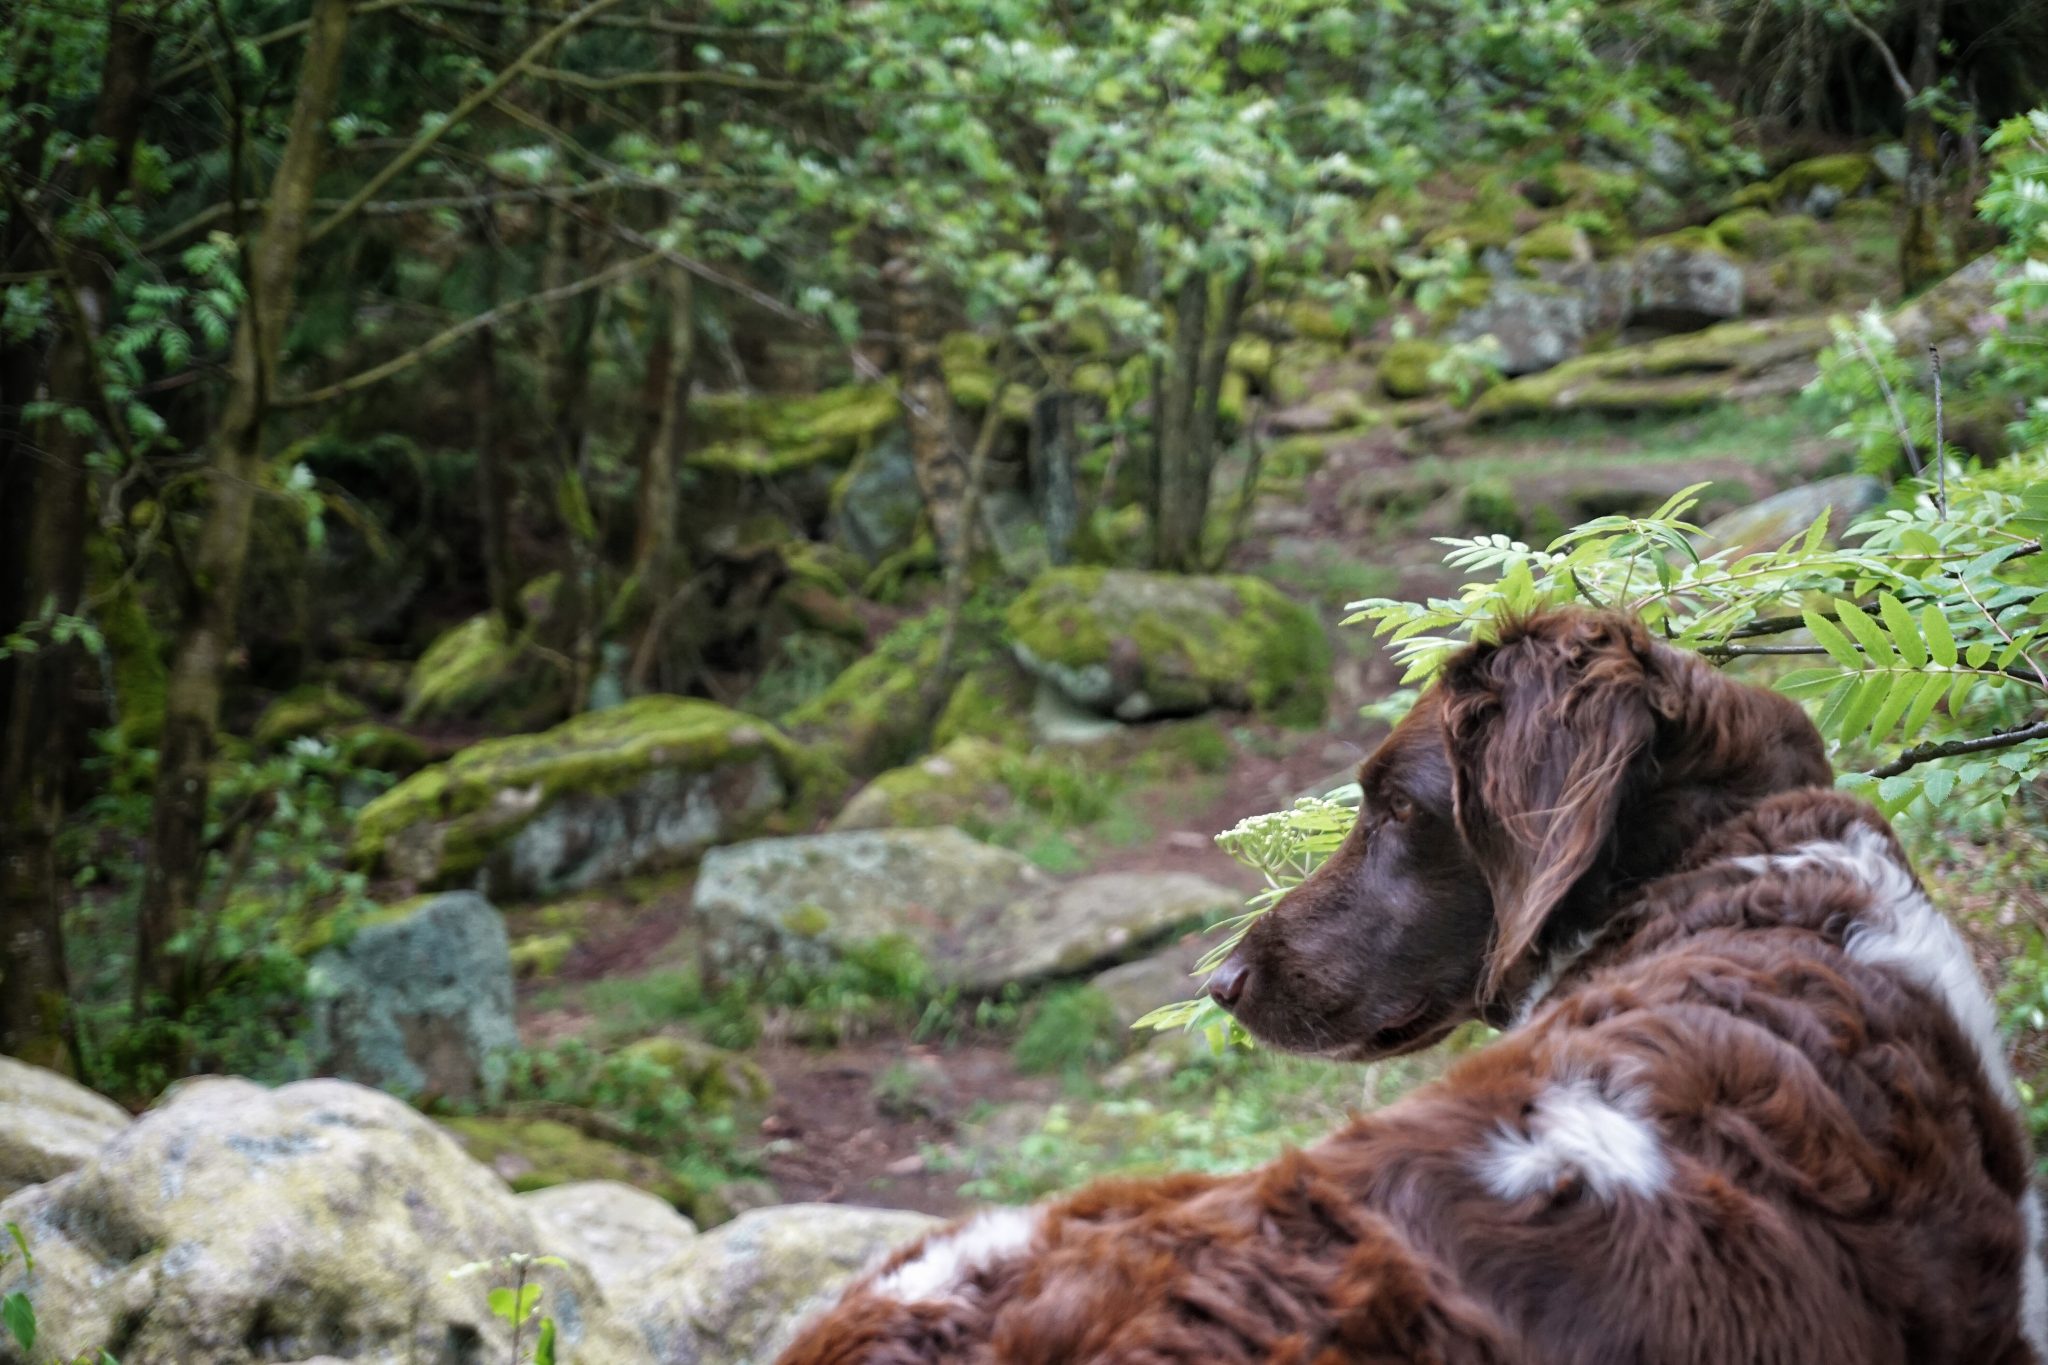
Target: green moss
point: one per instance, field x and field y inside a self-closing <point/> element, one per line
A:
<point x="536" y="1154"/>
<point x="381" y="747"/>
<point x="1671" y="374"/>
<point x="762" y="436"/>
<point x="1405" y="366"/>
<point x="990" y="702"/>
<point x="541" y="954"/>
<point x="1231" y="396"/>
<point x="1489" y="220"/>
<point x="595" y="753"/>
<point x="477" y="671"/>
<point x="1314" y="321"/>
<point x="1557" y="240"/>
<point x="1685" y="239"/>
<point x="1199" y="642"/>
<point x="314" y="709"/>
<point x="1846" y="173"/>
<point x="952" y="786"/>
<point x="716" y="1079"/>
<point x="139" y="673"/>
<point x="874" y="716"/>
<point x="1754" y="233"/>
<point x="1252" y="355"/>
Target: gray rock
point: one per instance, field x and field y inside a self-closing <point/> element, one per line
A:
<point x="876" y="504"/>
<point x="1135" y="989"/>
<point x="1821" y="202"/>
<point x="420" y="1004"/>
<point x="49" y="1124"/>
<point x="1680" y="287"/>
<point x="982" y="917"/>
<point x="1607" y="288"/>
<point x="1057" y="720"/>
<point x="738" y="1294"/>
<point x="1536" y="324"/>
<point x="236" y="1225"/>
<point x="615" y="1230"/>
<point x="1891" y="160"/>
<point x="1768" y="524"/>
<point x="1962" y="309"/>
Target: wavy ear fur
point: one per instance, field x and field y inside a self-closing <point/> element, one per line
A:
<point x="1545" y="729"/>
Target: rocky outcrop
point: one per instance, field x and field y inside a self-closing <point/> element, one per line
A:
<point x="1672" y="374"/>
<point x="876" y="503"/>
<point x="615" y="1230"/>
<point x="419" y="1002"/>
<point x="645" y="785"/>
<point x="1683" y="282"/>
<point x="1535" y="324"/>
<point x="1139" y="645"/>
<point x="49" y="1124"/>
<point x="236" y="1225"/>
<point x="982" y="917"/>
<point x="737" y="1295"/>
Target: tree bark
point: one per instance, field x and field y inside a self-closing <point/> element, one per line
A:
<point x="44" y="493"/>
<point x="206" y="630"/>
<point x="493" y="479"/>
<point x="1177" y="504"/>
<point x="1920" y="261"/>
<point x="930" y="418"/>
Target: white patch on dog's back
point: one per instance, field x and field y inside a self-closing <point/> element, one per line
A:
<point x="1902" y="930"/>
<point x="1576" y="1131"/>
<point x="948" y="1259"/>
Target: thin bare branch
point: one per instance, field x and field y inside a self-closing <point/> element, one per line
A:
<point x="444" y="339"/>
<point x="1884" y="51"/>
<point x="1950" y="748"/>
<point x="475" y="100"/>
<point x="627" y="79"/>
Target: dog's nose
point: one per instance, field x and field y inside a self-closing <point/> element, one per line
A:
<point x="1226" y="983"/>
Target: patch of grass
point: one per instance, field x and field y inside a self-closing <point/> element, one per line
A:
<point x="1073" y="1029"/>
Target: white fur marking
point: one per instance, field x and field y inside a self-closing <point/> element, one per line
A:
<point x="1576" y="1130"/>
<point x="1556" y="965"/>
<point x="2034" y="1280"/>
<point x="948" y="1261"/>
<point x="1902" y="930"/>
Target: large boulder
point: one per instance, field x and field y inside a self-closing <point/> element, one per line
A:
<point x="960" y="781"/>
<point x="982" y="917"/>
<point x="648" y="784"/>
<point x="1137" y="645"/>
<point x="1671" y="374"/>
<point x="419" y="1002"/>
<point x="737" y="1295"/>
<point x="235" y="1225"/>
<point x="49" y="1124"/>
<point x="1535" y="324"/>
<point x="877" y="714"/>
<point x="478" y="671"/>
<point x="615" y="1230"/>
<point x="1768" y="524"/>
<point x="1134" y="989"/>
<point x="1683" y="282"/>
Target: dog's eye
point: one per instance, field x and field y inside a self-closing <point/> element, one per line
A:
<point x="1399" y="807"/>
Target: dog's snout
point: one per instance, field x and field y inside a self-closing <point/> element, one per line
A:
<point x="1226" y="984"/>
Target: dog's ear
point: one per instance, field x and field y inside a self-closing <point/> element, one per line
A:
<point x="1544" y="730"/>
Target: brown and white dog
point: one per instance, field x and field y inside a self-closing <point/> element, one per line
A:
<point x="1751" y="1109"/>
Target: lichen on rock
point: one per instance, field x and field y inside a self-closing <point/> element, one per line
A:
<point x="648" y="784"/>
<point x="1135" y="644"/>
<point x="49" y="1124"/>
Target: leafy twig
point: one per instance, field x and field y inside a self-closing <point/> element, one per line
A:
<point x="1950" y="748"/>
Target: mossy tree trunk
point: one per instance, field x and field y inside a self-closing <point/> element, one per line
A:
<point x="1186" y="420"/>
<point x="1920" y="262"/>
<point x="930" y="418"/>
<point x="44" y="493"/>
<point x="206" y="628"/>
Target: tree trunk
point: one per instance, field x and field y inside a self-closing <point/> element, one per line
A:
<point x="1051" y="454"/>
<point x="928" y="412"/>
<point x="1920" y="261"/>
<point x="206" y="630"/>
<point x="654" y="546"/>
<point x="44" y="493"/>
<point x="1178" y="504"/>
<point x="493" y="479"/>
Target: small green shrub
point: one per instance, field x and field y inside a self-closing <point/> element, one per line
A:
<point x="1073" y="1030"/>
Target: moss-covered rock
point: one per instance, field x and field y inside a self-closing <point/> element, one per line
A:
<point x="1405" y="366"/>
<point x="766" y="435"/>
<point x="1671" y="374"/>
<point x="1759" y="235"/>
<point x="238" y="1225"/>
<point x="541" y="955"/>
<point x="738" y="1294"/>
<point x="477" y="671"/>
<point x="1134" y="644"/>
<point x="1839" y="176"/>
<point x="874" y="715"/>
<point x="1556" y="240"/>
<point x="320" y="709"/>
<point x="990" y="702"/>
<point x="1534" y="324"/>
<point x="716" y="1079"/>
<point x="949" y="787"/>
<point x="1684" y="280"/>
<point x="1252" y="355"/>
<point x="877" y="502"/>
<point x="539" y="1153"/>
<point x="648" y="784"/>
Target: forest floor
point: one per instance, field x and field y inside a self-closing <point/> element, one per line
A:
<point x="843" y="1125"/>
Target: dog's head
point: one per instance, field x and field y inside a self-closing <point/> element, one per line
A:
<point x="1543" y="773"/>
